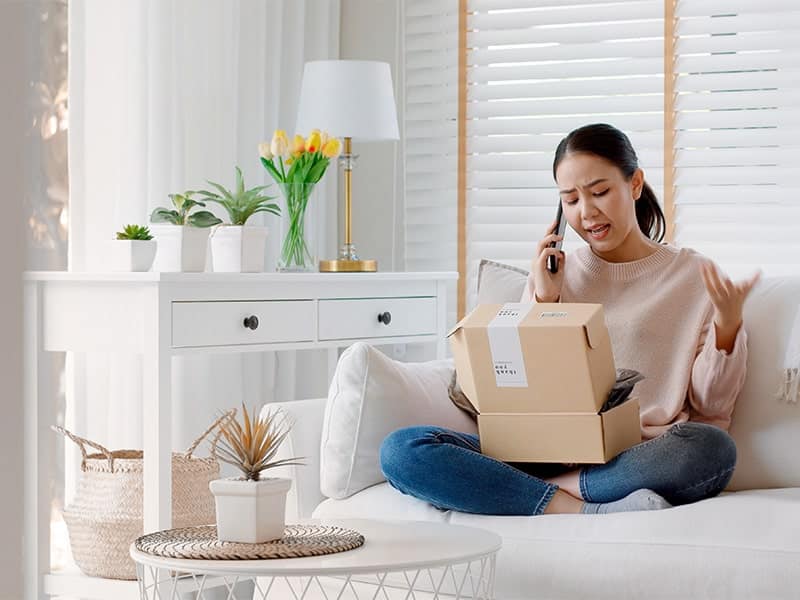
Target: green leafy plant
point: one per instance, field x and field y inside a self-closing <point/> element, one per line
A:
<point x="240" y="203"/>
<point x="179" y="215"/>
<point x="250" y="445"/>
<point x="134" y="232"/>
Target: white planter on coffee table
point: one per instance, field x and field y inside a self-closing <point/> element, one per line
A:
<point x="131" y="255"/>
<point x="180" y="248"/>
<point x="238" y="249"/>
<point x="250" y="511"/>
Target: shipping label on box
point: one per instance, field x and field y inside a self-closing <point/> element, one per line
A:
<point x="505" y="346"/>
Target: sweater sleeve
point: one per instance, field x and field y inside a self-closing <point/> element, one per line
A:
<point x="529" y="291"/>
<point x="717" y="377"/>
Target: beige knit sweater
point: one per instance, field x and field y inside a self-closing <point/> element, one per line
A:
<point x="660" y="320"/>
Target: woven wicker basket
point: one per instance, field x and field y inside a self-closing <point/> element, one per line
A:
<point x="105" y="516"/>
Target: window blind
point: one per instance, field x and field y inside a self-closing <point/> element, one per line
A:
<point x="737" y="133"/>
<point x="430" y="137"/>
<point x="536" y="70"/>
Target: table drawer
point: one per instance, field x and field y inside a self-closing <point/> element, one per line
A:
<point x="358" y="318"/>
<point x="223" y="323"/>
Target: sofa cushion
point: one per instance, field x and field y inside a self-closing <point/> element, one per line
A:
<point x="737" y="545"/>
<point x="766" y="429"/>
<point x="370" y="396"/>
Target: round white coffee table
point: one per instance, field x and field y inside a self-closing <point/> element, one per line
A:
<point x="399" y="559"/>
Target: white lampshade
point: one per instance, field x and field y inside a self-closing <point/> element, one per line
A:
<point x="348" y="98"/>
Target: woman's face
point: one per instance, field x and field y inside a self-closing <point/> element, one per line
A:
<point x="598" y="201"/>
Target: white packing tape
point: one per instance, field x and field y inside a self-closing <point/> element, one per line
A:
<point x="505" y="346"/>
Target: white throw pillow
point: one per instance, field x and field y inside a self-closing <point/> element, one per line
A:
<point x="499" y="283"/>
<point x="370" y="396"/>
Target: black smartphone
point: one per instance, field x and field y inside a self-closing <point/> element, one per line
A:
<point x="552" y="261"/>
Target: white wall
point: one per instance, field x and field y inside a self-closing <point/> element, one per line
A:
<point x="16" y="33"/>
<point x="369" y="31"/>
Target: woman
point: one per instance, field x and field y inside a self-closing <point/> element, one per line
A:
<point x="671" y="316"/>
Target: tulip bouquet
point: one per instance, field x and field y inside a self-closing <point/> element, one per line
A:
<point x="297" y="167"/>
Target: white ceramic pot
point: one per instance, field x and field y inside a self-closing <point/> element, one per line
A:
<point x="250" y="511"/>
<point x="131" y="255"/>
<point x="237" y="249"/>
<point x="180" y="248"/>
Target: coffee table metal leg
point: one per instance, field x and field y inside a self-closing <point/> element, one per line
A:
<point x="473" y="580"/>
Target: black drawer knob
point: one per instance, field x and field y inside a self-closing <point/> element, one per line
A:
<point x="251" y="322"/>
<point x="385" y="317"/>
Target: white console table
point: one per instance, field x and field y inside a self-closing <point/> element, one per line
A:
<point x="161" y="315"/>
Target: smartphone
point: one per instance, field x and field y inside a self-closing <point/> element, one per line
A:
<point x="552" y="261"/>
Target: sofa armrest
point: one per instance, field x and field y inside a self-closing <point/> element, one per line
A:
<point x="303" y="441"/>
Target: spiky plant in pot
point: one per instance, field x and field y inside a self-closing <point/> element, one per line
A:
<point x="234" y="247"/>
<point x="250" y="445"/>
<point x="239" y="202"/>
<point x="251" y="509"/>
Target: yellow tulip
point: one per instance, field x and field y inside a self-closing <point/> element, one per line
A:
<point x="313" y="141"/>
<point x="331" y="148"/>
<point x="323" y="139"/>
<point x="265" y="151"/>
<point x="280" y="143"/>
<point x="298" y="145"/>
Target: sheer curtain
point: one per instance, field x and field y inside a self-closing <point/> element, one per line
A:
<point x="165" y="94"/>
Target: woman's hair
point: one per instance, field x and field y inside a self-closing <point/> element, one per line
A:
<point x="610" y="143"/>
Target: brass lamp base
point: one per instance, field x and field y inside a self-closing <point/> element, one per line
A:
<point x="348" y="266"/>
<point x="348" y="261"/>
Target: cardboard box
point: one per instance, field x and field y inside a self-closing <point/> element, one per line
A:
<point x="539" y="374"/>
<point x="560" y="437"/>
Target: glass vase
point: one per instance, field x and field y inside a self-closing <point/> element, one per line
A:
<point x="299" y="226"/>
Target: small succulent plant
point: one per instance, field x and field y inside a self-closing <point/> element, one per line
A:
<point x="250" y="445"/>
<point x="134" y="232"/>
<point x="180" y="215"/>
<point x="240" y="203"/>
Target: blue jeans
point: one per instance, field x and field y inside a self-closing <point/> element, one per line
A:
<point x="689" y="462"/>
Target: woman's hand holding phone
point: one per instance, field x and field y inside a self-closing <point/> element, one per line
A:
<point x="547" y="285"/>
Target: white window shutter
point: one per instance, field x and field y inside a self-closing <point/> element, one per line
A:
<point x="430" y="137"/>
<point x="539" y="68"/>
<point x="536" y="70"/>
<point x="737" y="133"/>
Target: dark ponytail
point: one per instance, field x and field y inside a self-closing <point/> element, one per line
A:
<point x="610" y="143"/>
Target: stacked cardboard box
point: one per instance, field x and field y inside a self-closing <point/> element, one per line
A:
<point x="539" y="375"/>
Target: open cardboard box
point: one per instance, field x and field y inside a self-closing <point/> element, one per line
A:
<point x="539" y="374"/>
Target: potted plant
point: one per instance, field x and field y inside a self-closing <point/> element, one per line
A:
<point x="251" y="508"/>
<point x="234" y="247"/>
<point x="134" y="249"/>
<point x="183" y="238"/>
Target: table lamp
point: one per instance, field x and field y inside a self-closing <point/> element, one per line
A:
<point x="353" y="100"/>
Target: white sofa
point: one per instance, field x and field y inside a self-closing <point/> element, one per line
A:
<point x="742" y="544"/>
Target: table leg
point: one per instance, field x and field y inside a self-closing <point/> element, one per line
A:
<point x="157" y="420"/>
<point x="38" y="448"/>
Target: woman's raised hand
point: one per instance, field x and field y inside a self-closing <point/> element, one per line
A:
<point x="547" y="285"/>
<point x="727" y="296"/>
